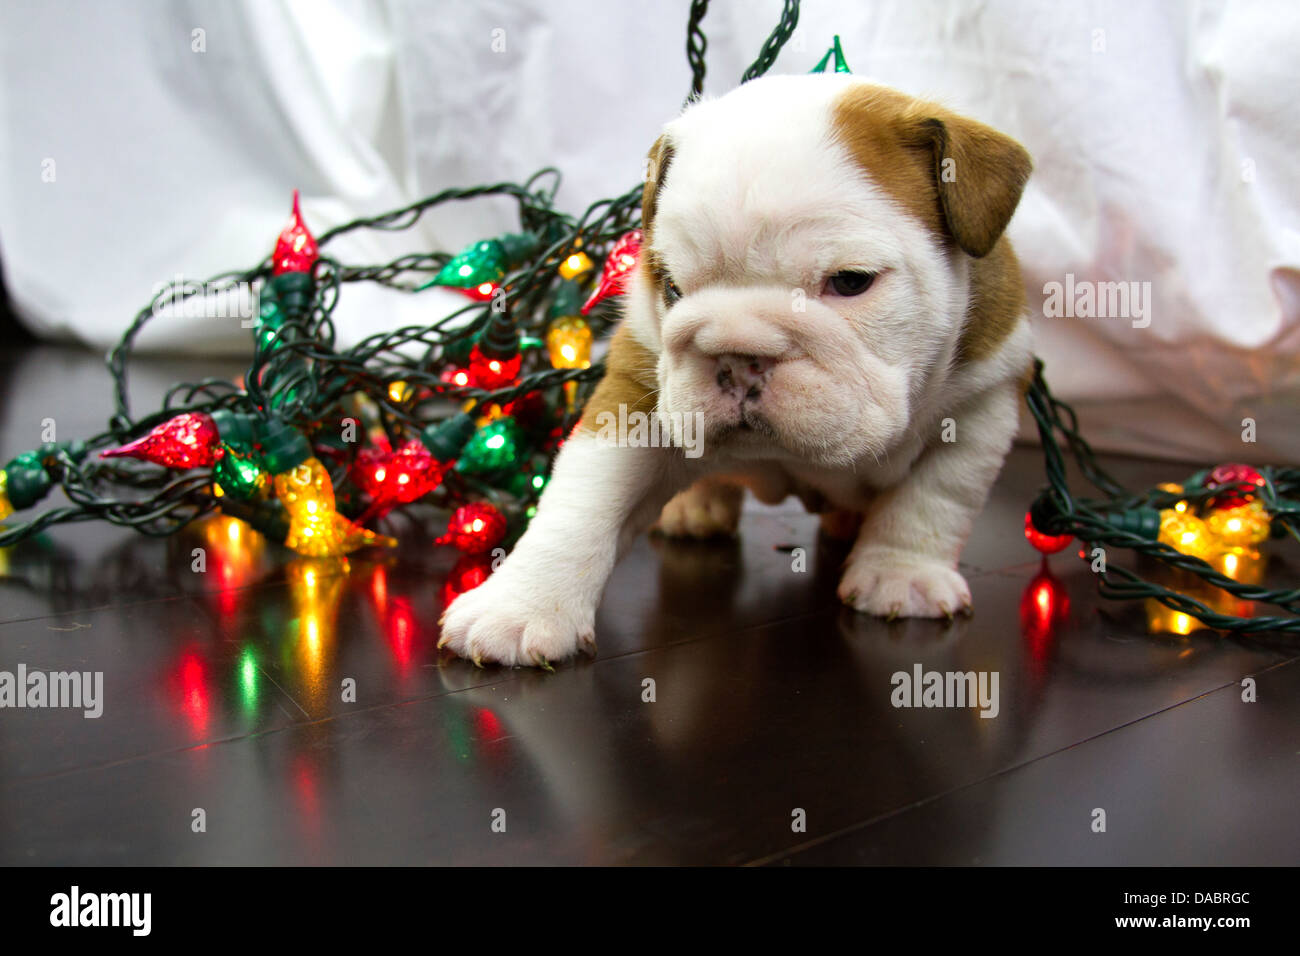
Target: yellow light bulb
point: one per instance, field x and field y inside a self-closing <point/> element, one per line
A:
<point x="1186" y="533"/>
<point x="568" y="341"/>
<point x="1241" y="526"/>
<point x="316" y="529"/>
<point x="575" y="265"/>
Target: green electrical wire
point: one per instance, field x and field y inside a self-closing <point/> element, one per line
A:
<point x="1058" y="511"/>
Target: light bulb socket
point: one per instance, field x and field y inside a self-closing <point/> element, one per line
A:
<point x="1143" y="522"/>
<point x="284" y="447"/>
<point x="294" y="292"/>
<point x="567" y="301"/>
<point x="235" y="428"/>
<point x="27" y="481"/>
<point x="500" y="340"/>
<point x="518" y="247"/>
<point x="446" y="439"/>
<point x="1044" y="514"/>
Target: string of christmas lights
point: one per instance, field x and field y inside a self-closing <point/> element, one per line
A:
<point x="1207" y="531"/>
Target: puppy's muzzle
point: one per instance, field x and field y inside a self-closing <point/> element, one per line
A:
<point x="743" y="376"/>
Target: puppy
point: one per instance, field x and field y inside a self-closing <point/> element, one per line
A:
<point x="825" y="306"/>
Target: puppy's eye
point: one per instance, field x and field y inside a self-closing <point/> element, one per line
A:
<point x="671" y="292"/>
<point x="849" y="284"/>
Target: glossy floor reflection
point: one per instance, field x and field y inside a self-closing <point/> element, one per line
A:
<point x="227" y="691"/>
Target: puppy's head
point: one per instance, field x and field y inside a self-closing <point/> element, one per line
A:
<point x="807" y="265"/>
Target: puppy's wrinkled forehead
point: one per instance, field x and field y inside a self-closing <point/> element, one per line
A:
<point x="733" y="177"/>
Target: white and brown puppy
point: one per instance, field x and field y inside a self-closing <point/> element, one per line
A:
<point x="826" y="289"/>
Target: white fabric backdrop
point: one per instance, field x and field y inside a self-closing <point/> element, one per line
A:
<point x="1164" y="136"/>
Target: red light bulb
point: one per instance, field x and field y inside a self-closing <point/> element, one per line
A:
<point x="397" y="477"/>
<point x="488" y="372"/>
<point x="189" y="440"/>
<point x="1230" y="475"/>
<point x="1045" y="543"/>
<point x="475" y="528"/>
<point x="619" y="264"/>
<point x="295" y="250"/>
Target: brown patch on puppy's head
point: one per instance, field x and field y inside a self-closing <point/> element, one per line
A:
<point x="960" y="178"/>
<point x="661" y="154"/>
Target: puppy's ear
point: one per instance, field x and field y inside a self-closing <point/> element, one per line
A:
<point x="961" y="178"/>
<point x="661" y="154"/>
<point x="979" y="173"/>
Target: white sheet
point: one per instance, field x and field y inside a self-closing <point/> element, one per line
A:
<point x="1164" y="136"/>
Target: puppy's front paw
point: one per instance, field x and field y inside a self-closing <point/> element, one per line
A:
<point x="890" y="584"/>
<point x="512" y="620"/>
<point x="707" y="509"/>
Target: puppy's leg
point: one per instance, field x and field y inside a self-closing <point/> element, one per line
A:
<point x="540" y="605"/>
<point x="708" y="508"/>
<point x="905" y="560"/>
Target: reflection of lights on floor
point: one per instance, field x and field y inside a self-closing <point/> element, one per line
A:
<point x="1044" y="607"/>
<point x="248" y="689"/>
<point x="196" y="697"/>
<point x="401" y="631"/>
<point x="379" y="588"/>
<point x="316" y="587"/>
<point x="235" y="554"/>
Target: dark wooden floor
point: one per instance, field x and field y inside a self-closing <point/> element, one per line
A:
<point x="223" y="692"/>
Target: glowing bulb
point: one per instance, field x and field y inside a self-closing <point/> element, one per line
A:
<point x="1241" y="525"/>
<point x="568" y="341"/>
<point x="316" y="529"/>
<point x="1186" y="533"/>
<point x="575" y="265"/>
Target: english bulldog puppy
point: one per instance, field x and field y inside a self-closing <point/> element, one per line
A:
<point x="825" y="306"/>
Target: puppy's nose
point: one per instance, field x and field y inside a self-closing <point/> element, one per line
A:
<point x="746" y="374"/>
